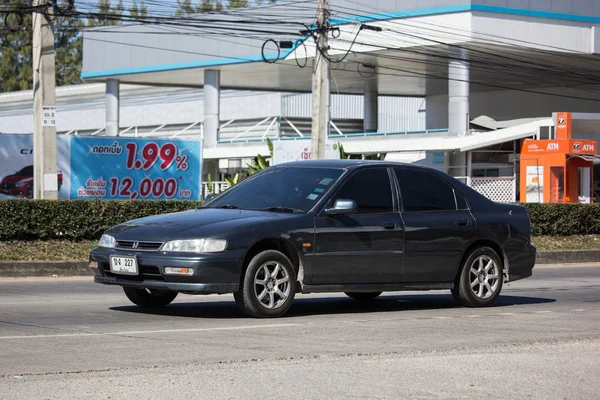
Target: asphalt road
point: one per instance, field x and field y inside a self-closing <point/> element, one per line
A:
<point x="71" y="338"/>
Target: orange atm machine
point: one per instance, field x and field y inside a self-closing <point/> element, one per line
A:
<point x="558" y="170"/>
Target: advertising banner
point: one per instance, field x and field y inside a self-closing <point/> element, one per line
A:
<point x="298" y="150"/>
<point x="16" y="166"/>
<point x="128" y="168"/>
<point x="535" y="184"/>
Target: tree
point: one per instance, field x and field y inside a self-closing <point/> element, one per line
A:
<point x="206" y="6"/>
<point x="106" y="15"/>
<point x="138" y="11"/>
<point x="184" y="7"/>
<point x="237" y="4"/>
<point x="15" y="51"/>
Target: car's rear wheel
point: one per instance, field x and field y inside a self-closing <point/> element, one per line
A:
<point x="149" y="298"/>
<point x="480" y="279"/>
<point x="363" y="296"/>
<point x="268" y="287"/>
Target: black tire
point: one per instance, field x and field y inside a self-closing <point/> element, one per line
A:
<point x="363" y="296"/>
<point x="266" y="300"/>
<point x="149" y="298"/>
<point x="480" y="282"/>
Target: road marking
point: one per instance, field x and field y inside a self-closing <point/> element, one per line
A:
<point x="124" y="333"/>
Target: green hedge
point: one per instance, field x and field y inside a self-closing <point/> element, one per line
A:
<point x="75" y="219"/>
<point x="564" y="219"/>
<point x="87" y="219"/>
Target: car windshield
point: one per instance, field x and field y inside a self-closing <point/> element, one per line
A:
<point x="27" y="171"/>
<point x="290" y="189"/>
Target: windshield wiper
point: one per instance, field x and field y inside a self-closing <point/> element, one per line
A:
<point x="282" y="209"/>
<point x="228" y="206"/>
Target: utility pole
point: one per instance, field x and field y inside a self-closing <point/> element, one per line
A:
<point x="45" y="181"/>
<point x="320" y="89"/>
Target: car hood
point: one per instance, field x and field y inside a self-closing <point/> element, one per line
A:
<point x="192" y="224"/>
<point x="15" y="178"/>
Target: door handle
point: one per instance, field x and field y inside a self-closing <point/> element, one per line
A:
<point x="463" y="222"/>
<point x="389" y="225"/>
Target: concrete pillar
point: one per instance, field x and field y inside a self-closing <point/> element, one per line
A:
<point x="458" y="106"/>
<point x="112" y="107"/>
<point x="370" y="105"/>
<point x="212" y="94"/>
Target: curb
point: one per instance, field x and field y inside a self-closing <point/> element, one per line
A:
<point x="567" y="256"/>
<point x="22" y="269"/>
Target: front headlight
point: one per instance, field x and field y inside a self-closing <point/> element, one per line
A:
<point x="196" y="245"/>
<point x="21" y="183"/>
<point x="107" y="241"/>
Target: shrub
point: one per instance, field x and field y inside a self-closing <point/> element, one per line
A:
<point x="564" y="219"/>
<point x="75" y="219"/>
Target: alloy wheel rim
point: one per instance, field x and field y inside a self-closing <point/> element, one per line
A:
<point x="484" y="277"/>
<point x="272" y="285"/>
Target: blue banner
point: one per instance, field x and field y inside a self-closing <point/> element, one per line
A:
<point x="131" y="168"/>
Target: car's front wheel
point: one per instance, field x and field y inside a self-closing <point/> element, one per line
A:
<point x="149" y="298"/>
<point x="268" y="287"/>
<point x="480" y="280"/>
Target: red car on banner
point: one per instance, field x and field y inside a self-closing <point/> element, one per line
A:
<point x="20" y="184"/>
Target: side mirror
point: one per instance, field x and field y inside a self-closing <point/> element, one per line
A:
<point x="209" y="197"/>
<point x="341" y="207"/>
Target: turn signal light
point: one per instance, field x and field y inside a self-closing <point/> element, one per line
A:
<point x="93" y="264"/>
<point x="178" y="271"/>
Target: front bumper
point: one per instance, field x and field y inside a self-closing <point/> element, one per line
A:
<point x="213" y="273"/>
<point x="206" y="288"/>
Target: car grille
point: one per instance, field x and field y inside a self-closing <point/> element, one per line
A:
<point x="140" y="246"/>
<point x="7" y="186"/>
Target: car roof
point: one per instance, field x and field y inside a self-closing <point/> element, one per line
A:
<point x="342" y="163"/>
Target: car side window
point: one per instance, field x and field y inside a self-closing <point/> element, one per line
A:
<point x="371" y="189"/>
<point x="423" y="191"/>
<point x="461" y="202"/>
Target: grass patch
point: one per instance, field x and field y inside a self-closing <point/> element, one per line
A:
<point x="577" y="242"/>
<point x="57" y="250"/>
<point x="46" y="250"/>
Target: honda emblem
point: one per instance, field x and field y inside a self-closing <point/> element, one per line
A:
<point x="135" y="245"/>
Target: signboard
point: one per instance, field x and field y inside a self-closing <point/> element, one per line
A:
<point x="126" y="168"/>
<point x="562" y="146"/>
<point x="49" y="116"/>
<point x="563" y="125"/>
<point x="534" y="184"/>
<point x="299" y="150"/>
<point x="16" y="167"/>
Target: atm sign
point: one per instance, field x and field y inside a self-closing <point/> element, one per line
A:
<point x="585" y="147"/>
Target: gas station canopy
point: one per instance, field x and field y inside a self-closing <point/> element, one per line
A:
<point x="408" y="56"/>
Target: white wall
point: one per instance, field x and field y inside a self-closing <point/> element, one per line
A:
<point x="503" y="105"/>
<point x="437" y="112"/>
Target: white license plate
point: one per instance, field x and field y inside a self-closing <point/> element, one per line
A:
<point x="123" y="265"/>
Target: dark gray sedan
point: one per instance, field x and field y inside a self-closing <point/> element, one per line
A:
<point x="357" y="227"/>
